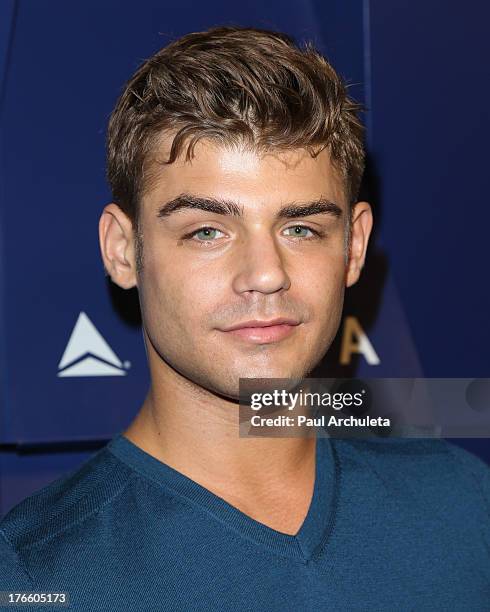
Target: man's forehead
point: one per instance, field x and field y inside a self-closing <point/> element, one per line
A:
<point x="219" y="168"/>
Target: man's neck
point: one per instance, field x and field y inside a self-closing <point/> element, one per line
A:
<point x="269" y="479"/>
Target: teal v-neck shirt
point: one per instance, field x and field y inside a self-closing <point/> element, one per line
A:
<point x="392" y="525"/>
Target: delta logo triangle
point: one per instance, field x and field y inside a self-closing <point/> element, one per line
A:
<point x="88" y="354"/>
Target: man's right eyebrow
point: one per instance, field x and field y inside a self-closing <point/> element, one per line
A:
<point x="213" y="205"/>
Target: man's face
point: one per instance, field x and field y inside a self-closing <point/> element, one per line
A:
<point x="279" y="252"/>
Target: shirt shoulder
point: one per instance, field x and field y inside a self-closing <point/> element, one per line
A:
<point x="433" y="468"/>
<point x="56" y="508"/>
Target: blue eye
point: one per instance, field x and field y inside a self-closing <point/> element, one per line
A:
<point x="298" y="231"/>
<point x="207" y="233"/>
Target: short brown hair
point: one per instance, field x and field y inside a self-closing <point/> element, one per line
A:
<point x="232" y="85"/>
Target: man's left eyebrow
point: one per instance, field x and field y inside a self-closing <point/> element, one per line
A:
<point x="318" y="207"/>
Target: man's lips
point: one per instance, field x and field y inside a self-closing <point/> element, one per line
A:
<point x="263" y="331"/>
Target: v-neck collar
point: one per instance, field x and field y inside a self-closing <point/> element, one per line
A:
<point x="304" y="545"/>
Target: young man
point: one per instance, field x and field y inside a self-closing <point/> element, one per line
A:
<point x="235" y="160"/>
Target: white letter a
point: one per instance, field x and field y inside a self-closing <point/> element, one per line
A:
<point x="354" y="340"/>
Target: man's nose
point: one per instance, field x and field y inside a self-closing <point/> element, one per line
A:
<point x="260" y="265"/>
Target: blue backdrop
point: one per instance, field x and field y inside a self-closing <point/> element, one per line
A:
<point x="72" y="362"/>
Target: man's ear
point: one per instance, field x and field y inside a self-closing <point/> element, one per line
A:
<point x="117" y="246"/>
<point x="362" y="223"/>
